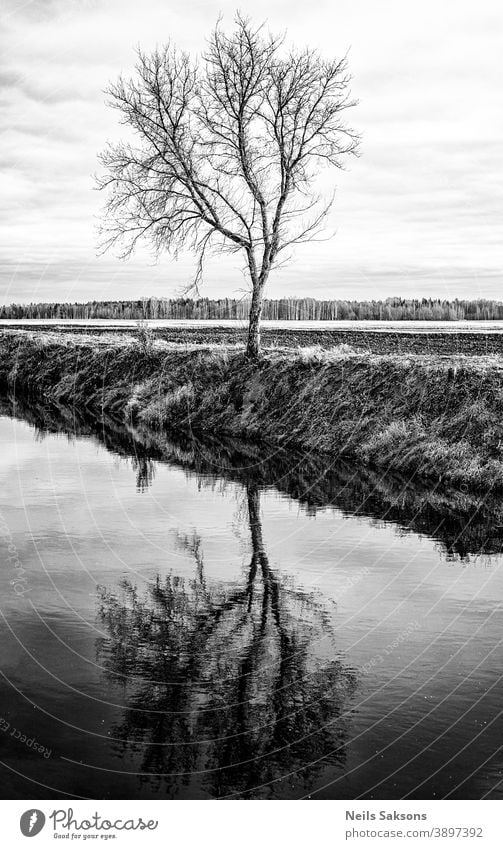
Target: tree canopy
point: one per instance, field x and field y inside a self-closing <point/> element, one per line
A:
<point x="226" y="150"/>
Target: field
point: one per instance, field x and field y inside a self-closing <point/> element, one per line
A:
<point x="379" y="337"/>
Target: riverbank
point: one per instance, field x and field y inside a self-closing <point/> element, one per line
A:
<point x="427" y="415"/>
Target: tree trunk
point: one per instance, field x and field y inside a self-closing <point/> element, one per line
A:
<point x="253" y="346"/>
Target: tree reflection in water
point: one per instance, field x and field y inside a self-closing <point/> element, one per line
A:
<point x="232" y="688"/>
<point x="464" y="524"/>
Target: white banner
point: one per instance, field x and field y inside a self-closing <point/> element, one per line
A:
<point x="243" y="824"/>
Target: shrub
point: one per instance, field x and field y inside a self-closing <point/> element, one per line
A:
<point x="145" y="338"/>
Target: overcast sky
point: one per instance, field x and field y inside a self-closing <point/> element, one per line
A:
<point x="419" y="213"/>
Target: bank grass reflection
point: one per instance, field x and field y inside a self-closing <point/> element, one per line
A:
<point x="462" y="523"/>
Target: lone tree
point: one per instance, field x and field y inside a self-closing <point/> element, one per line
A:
<point x="227" y="152"/>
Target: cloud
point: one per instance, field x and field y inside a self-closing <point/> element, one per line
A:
<point x="421" y="207"/>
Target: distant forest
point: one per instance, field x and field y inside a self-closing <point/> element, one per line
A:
<point x="292" y="309"/>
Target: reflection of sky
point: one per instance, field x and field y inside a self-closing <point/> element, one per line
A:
<point x="419" y="213"/>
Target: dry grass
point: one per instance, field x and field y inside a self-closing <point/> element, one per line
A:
<point x="439" y="417"/>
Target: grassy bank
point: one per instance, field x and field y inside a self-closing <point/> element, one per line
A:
<point x="438" y="417"/>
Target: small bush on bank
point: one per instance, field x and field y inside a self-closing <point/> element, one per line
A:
<point x="144" y="338"/>
<point x="175" y="406"/>
<point x="384" y="445"/>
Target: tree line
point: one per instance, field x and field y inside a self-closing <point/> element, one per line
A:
<point x="288" y="309"/>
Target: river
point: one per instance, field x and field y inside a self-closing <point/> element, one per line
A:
<point x="187" y="619"/>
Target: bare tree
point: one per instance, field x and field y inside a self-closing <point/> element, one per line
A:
<point x="227" y="151"/>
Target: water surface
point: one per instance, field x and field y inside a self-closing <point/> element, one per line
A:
<point x="206" y="620"/>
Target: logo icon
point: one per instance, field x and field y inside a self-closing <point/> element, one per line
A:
<point x="32" y="822"/>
